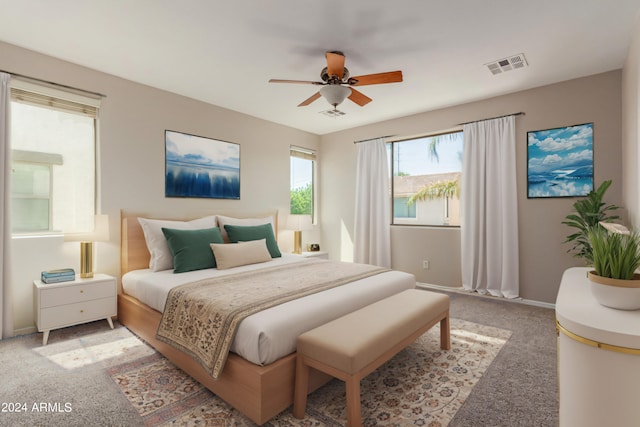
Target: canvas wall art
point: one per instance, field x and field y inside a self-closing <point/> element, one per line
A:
<point x="197" y="166"/>
<point x="560" y="161"/>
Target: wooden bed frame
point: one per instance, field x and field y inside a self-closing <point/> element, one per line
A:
<point x="259" y="392"/>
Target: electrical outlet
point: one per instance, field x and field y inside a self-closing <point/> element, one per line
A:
<point x="425" y="264"/>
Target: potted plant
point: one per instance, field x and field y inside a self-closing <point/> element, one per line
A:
<point x="616" y="257"/>
<point x="587" y="214"/>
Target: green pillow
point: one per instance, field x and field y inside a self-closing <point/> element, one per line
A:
<point x="247" y="233"/>
<point x="190" y="248"/>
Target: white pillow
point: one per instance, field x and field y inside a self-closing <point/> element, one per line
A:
<point x="161" y="257"/>
<point x="230" y="255"/>
<point x="222" y="220"/>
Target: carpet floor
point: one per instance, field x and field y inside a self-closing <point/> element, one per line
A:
<point x="422" y="385"/>
<point x="500" y="372"/>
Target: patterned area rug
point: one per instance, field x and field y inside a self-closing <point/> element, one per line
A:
<point x="422" y="385"/>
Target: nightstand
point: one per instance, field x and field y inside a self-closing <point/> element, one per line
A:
<point x="58" y="305"/>
<point x="316" y="254"/>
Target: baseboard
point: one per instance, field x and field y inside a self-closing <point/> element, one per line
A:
<point x="25" y="331"/>
<point x="465" y="292"/>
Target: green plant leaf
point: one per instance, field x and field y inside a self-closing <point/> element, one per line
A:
<point x="615" y="255"/>
<point x="586" y="215"/>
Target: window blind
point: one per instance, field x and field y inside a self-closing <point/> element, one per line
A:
<point x="49" y="97"/>
<point x="302" y="153"/>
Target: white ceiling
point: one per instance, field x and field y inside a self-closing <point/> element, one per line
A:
<point x="224" y="52"/>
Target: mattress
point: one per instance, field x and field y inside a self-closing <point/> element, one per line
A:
<point x="265" y="337"/>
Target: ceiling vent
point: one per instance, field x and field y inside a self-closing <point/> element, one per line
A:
<point x="333" y="113"/>
<point x="507" y="64"/>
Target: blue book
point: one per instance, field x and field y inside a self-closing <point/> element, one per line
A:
<point x="55" y="276"/>
<point x="59" y="272"/>
<point x="58" y="279"/>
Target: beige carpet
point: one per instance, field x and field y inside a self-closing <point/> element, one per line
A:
<point x="422" y="386"/>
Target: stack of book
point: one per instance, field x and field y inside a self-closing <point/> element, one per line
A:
<point x="55" y="276"/>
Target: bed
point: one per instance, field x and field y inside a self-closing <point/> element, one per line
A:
<point x="258" y="380"/>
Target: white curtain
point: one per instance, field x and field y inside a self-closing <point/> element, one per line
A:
<point x="489" y="208"/>
<point x="6" y="315"/>
<point x="372" y="235"/>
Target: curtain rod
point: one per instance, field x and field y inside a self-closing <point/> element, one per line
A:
<point x="54" y="83"/>
<point x="371" y="139"/>
<point x="491" y="118"/>
<point x="459" y="124"/>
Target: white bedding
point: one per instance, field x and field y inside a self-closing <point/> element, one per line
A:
<point x="266" y="336"/>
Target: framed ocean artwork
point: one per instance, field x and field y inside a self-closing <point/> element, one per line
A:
<point x="196" y="166"/>
<point x="560" y="161"/>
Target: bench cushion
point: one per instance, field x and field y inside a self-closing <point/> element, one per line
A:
<point x="351" y="342"/>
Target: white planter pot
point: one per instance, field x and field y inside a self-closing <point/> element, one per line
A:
<point x="616" y="293"/>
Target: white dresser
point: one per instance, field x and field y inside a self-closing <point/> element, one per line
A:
<point x="598" y="358"/>
<point x="58" y="305"/>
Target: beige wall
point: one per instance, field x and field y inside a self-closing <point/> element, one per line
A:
<point x="630" y="128"/>
<point x="543" y="257"/>
<point x="131" y="171"/>
<point x="133" y="119"/>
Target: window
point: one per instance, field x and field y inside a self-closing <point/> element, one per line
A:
<point x="302" y="181"/>
<point x="53" y="146"/>
<point x="402" y="208"/>
<point x="31" y="190"/>
<point x="426" y="175"/>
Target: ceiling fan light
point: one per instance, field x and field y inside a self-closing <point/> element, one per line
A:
<point x="335" y="94"/>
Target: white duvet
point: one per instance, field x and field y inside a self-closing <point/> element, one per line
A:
<point x="264" y="337"/>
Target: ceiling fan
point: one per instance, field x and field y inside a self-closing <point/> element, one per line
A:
<point x="338" y="85"/>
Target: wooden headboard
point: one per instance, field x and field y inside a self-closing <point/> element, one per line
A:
<point x="134" y="254"/>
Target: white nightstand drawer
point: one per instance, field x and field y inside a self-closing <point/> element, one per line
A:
<point x="71" y="314"/>
<point x="57" y="296"/>
<point x="78" y="301"/>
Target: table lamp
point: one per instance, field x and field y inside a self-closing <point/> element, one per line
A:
<point x="298" y="223"/>
<point x="100" y="233"/>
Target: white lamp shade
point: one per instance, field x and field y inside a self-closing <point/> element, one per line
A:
<point x="335" y="94"/>
<point x="100" y="232"/>
<point x="299" y="222"/>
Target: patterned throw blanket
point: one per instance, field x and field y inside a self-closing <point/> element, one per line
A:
<point x="201" y="318"/>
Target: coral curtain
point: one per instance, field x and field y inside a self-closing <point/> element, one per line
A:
<point x="489" y="208"/>
<point x="372" y="236"/>
<point x="6" y="314"/>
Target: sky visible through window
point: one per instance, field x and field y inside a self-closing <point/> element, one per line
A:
<point x="412" y="157"/>
<point x="301" y="172"/>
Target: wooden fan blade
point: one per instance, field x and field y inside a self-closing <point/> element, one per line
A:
<point x="376" y="79"/>
<point x="359" y="98"/>
<point x="335" y="64"/>
<point x="302" y="82"/>
<point x="309" y="100"/>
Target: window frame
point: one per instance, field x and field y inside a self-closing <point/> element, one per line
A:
<point x="446" y="207"/>
<point x="311" y="155"/>
<point x="70" y="101"/>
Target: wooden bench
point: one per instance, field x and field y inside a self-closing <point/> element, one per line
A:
<point x="351" y="347"/>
